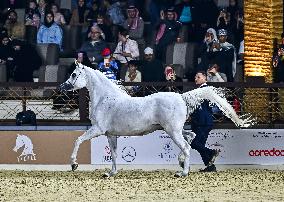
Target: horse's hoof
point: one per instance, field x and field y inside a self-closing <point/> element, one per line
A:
<point x="181" y="164"/>
<point x="106" y="175"/>
<point x="180" y="174"/>
<point x="74" y="167"/>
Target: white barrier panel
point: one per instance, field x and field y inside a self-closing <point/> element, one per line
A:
<point x="250" y="146"/>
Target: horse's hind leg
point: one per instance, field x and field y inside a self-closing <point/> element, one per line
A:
<point x="112" y="140"/>
<point x="89" y="134"/>
<point x="185" y="148"/>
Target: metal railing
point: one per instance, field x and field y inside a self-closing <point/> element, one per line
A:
<point x="264" y="101"/>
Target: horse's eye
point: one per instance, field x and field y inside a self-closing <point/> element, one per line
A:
<point x="73" y="75"/>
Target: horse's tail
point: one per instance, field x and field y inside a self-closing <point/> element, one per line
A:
<point x="215" y="96"/>
<point x="193" y="100"/>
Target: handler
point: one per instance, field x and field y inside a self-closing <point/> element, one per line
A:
<point x="201" y="125"/>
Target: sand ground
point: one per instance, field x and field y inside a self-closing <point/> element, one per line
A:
<point x="141" y="185"/>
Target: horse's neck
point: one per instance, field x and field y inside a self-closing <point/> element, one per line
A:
<point x="99" y="86"/>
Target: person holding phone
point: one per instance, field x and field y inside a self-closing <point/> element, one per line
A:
<point x="170" y="76"/>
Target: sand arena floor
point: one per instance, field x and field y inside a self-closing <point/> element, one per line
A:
<point x="138" y="185"/>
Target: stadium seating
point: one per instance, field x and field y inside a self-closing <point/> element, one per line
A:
<point x="72" y="40"/>
<point x="31" y="34"/>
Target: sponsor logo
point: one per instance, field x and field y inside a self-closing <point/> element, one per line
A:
<point x="266" y="152"/>
<point x="168" y="152"/>
<point x="107" y="155"/>
<point x="128" y="154"/>
<point x="27" y="153"/>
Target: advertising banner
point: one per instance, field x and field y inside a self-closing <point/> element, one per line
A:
<point x="250" y="146"/>
<point x="41" y="147"/>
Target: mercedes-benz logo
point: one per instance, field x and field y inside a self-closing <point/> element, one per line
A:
<point x="128" y="154"/>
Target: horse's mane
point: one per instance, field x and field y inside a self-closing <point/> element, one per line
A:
<point x="105" y="82"/>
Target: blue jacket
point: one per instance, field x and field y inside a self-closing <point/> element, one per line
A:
<point x="202" y="116"/>
<point x="110" y="72"/>
<point x="52" y="34"/>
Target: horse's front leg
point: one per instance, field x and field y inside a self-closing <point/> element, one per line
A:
<point x="112" y="141"/>
<point x="89" y="134"/>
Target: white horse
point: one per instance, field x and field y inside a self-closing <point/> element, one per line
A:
<point x="27" y="153"/>
<point x="115" y="113"/>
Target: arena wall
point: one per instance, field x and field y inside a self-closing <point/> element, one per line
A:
<point x="247" y="147"/>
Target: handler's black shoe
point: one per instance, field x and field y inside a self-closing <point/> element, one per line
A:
<point x="214" y="156"/>
<point x="211" y="168"/>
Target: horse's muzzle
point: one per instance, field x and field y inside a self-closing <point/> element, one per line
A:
<point x="65" y="87"/>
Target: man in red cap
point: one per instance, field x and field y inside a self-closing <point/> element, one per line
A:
<point x="108" y="67"/>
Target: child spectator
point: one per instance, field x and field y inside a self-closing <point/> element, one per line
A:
<point x="109" y="66"/>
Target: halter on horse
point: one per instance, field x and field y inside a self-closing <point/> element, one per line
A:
<point x="114" y="113"/>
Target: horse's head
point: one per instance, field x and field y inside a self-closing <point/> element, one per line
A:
<point x="77" y="79"/>
<point x="19" y="142"/>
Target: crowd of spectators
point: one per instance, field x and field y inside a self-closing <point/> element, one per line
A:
<point x="118" y="26"/>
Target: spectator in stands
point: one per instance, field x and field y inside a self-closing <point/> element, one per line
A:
<point x="156" y="7"/>
<point x="42" y="8"/>
<point x="168" y="30"/>
<point x="134" y="23"/>
<point x="126" y="50"/>
<point x="170" y="77"/>
<point x="152" y="69"/>
<point x="5" y="48"/>
<point x="30" y="11"/>
<point x="132" y="75"/>
<point x="100" y="22"/>
<point x="224" y="22"/>
<point x="79" y="15"/>
<point x="50" y="32"/>
<point x="213" y="74"/>
<point x="6" y="52"/>
<point x="226" y="55"/>
<point x="105" y="28"/>
<point x="278" y="62"/>
<point x="93" y="13"/>
<point x="35" y="21"/>
<point x="206" y="48"/>
<point x="185" y="13"/>
<point x="25" y="60"/>
<point x="15" y="29"/>
<point x="58" y="17"/>
<point x="109" y="66"/>
<point x="95" y="45"/>
<point x="238" y="29"/>
<point x="113" y="11"/>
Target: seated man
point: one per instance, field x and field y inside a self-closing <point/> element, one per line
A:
<point x="95" y="45"/>
<point x="15" y="29"/>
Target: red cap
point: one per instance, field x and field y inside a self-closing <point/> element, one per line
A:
<point x="106" y="52"/>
